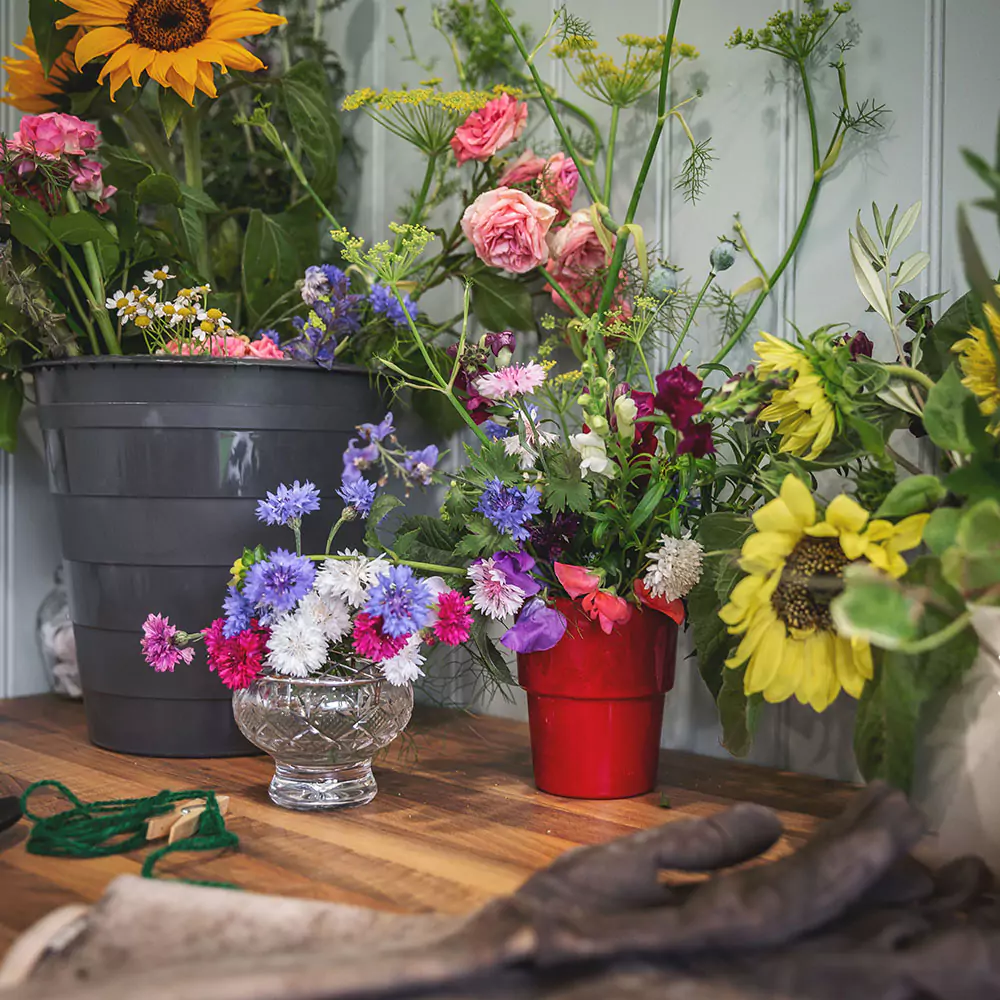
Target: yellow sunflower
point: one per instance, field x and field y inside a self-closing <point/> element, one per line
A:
<point x="27" y="87"/>
<point x="175" y="41"/>
<point x="806" y="418"/>
<point x="975" y="358"/>
<point x="795" y="565"/>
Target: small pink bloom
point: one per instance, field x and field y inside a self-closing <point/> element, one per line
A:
<point x="239" y="660"/>
<point x="514" y="380"/>
<point x="453" y="620"/>
<point x="508" y="228"/>
<point x="54" y="133"/>
<point x="559" y="181"/>
<point x="576" y="580"/>
<point x="526" y="168"/>
<point x="371" y="642"/>
<point x="228" y="346"/>
<point x="159" y="644"/>
<point x="490" y="129"/>
<point x="672" y="609"/>
<point x="264" y="347"/>
<point x="607" y="609"/>
<point x="85" y="178"/>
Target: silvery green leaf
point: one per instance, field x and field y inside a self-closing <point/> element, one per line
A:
<point x="910" y="268"/>
<point x="867" y="242"/>
<point x="889" y="222"/>
<point x="864" y="275"/>
<point x="878" y="223"/>
<point x="897" y="394"/>
<point x="906" y="223"/>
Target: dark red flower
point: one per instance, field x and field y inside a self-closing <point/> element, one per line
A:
<point x="677" y="395"/>
<point x="496" y="342"/>
<point x="696" y="439"/>
<point x="859" y="344"/>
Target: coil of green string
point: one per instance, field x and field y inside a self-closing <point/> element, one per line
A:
<point x="99" y="829"/>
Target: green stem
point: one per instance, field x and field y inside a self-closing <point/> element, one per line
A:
<point x="618" y="258"/>
<point x="429" y="567"/>
<point x="810" y="108"/>
<point x="566" y="297"/>
<point x="95" y="289"/>
<point x="911" y="375"/>
<point x="418" y="208"/>
<point x="564" y="135"/>
<point x="939" y="638"/>
<point x="333" y="532"/>
<point x="610" y="158"/>
<point x="194" y="178"/>
<point x="300" y="176"/>
<point x="690" y="318"/>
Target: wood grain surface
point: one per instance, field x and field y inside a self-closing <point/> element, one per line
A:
<point x="457" y="820"/>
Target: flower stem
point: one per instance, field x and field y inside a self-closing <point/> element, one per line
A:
<point x="418" y="208"/>
<point x="610" y="158"/>
<point x="939" y="638"/>
<point x="96" y="286"/>
<point x="429" y="567"/>
<point x="300" y="176"/>
<point x="194" y="178"/>
<point x="333" y="532"/>
<point x="690" y="318"/>
<point x="566" y="297"/>
<point x="911" y="375"/>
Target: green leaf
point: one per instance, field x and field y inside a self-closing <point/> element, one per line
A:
<point x="11" y="398"/>
<point x="564" y="487"/>
<point x="953" y="325"/>
<point x="501" y="303"/>
<point x="158" y="189"/>
<point x="490" y="658"/>
<point x="313" y="117"/>
<point x="383" y="506"/>
<point x="491" y="461"/>
<point x="950" y="412"/>
<point x="80" y="228"/>
<point x="197" y="198"/>
<point x="712" y="641"/>
<point x="172" y="107"/>
<point x="911" y="496"/>
<point x="871" y="437"/>
<point x="482" y="538"/>
<point x="646" y="507"/>
<point x="723" y="530"/>
<point x="978" y="480"/>
<point x="981" y="280"/>
<point x="50" y="42"/>
<point x="426" y="539"/>
<point x="940" y="530"/>
<point x="874" y="607"/>
<point x="271" y="263"/>
<point x="27" y="224"/>
<point x="738" y="712"/>
<point x="125" y="168"/>
<point x="127" y="220"/>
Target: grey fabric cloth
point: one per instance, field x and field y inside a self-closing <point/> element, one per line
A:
<point x="850" y="915"/>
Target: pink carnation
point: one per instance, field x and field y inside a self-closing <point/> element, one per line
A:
<point x="239" y="660"/>
<point x="454" y="619"/>
<point x="508" y="228"/>
<point x="265" y="347"/>
<point x="371" y="642"/>
<point x="54" y="133"/>
<point x="526" y="168"/>
<point x="490" y="129"/>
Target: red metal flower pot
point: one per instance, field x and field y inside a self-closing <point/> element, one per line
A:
<point x="595" y="704"/>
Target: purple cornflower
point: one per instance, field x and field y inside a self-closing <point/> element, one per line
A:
<point x="385" y="303"/>
<point x="494" y="431"/>
<point x="359" y="494"/>
<point x="420" y="464"/>
<point x="238" y="611"/>
<point x="312" y="344"/>
<point x="321" y="280"/>
<point x="508" y="509"/>
<point x="159" y="644"/>
<point x="402" y="600"/>
<point x="379" y="431"/>
<point x="279" y="582"/>
<point x="356" y="459"/>
<point x="288" y="503"/>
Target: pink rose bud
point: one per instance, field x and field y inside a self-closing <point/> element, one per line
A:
<point x="54" y="133"/>
<point x="507" y="228"/>
<point x="492" y="128"/>
<point x="526" y="168"/>
<point x="559" y="180"/>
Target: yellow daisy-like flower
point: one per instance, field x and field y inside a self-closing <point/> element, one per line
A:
<point x="27" y="87"/>
<point x="979" y="367"/>
<point x="805" y="416"/>
<point x="795" y="564"/>
<point x="176" y="42"/>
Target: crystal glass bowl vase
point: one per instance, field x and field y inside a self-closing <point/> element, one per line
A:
<point x="323" y="733"/>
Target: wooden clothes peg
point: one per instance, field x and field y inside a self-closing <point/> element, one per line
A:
<point x="182" y="820"/>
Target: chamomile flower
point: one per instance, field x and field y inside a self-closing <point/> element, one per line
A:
<point x="158" y="276"/>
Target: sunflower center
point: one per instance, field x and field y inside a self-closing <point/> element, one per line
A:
<point x="167" y="25"/>
<point x="812" y="577"/>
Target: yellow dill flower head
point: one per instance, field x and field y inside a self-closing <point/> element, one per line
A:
<point x="567" y="379"/>
<point x="978" y="365"/>
<point x="795" y="563"/>
<point x="805" y="416"/>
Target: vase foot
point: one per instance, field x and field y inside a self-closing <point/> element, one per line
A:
<point x="295" y="787"/>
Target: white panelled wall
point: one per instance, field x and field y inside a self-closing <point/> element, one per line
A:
<point x="932" y="62"/>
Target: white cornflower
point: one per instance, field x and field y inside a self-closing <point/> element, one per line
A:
<point x="674" y="568"/>
<point x="593" y="454"/>
<point x="526" y="443"/>
<point x="491" y="593"/>
<point x="349" y="579"/>
<point x="297" y="646"/>
<point x="158" y="275"/>
<point x="405" y="665"/>
<point x="331" y="614"/>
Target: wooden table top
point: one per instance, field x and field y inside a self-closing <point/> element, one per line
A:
<point x="457" y="820"/>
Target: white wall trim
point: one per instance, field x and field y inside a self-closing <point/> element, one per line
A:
<point x="931" y="235"/>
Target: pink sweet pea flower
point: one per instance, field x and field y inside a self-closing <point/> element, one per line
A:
<point x="492" y="128"/>
<point x="672" y="609"/>
<point x="54" y="133"/>
<point x="507" y="229"/>
<point x="600" y="605"/>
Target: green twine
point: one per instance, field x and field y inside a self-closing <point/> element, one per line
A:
<point x="100" y="829"/>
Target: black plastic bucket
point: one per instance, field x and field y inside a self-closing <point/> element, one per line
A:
<point x="156" y="465"/>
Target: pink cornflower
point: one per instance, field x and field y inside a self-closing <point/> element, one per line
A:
<point x="514" y="380"/>
<point x="159" y="644"/>
<point x="453" y="620"/>
<point x="239" y="660"/>
<point x="371" y="642"/>
<point x="491" y="592"/>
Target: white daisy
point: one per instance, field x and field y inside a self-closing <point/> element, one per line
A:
<point x="297" y="646"/>
<point x="491" y="593"/>
<point x="405" y="665"/>
<point x="118" y="302"/>
<point x="674" y="568"/>
<point x="349" y="579"/>
<point x="331" y="614"/>
<point x="158" y="275"/>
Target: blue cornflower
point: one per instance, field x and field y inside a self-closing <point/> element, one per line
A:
<point x="323" y="280"/>
<point x="238" y="611"/>
<point x="289" y="503"/>
<point x="402" y="600"/>
<point x="508" y="509"/>
<point x="377" y="432"/>
<point x="313" y="343"/>
<point x="359" y="494"/>
<point x="493" y="430"/>
<point x="356" y="459"/>
<point x="420" y="464"/>
<point x="384" y="302"/>
<point x="279" y="582"/>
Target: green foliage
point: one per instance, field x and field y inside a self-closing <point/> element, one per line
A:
<point x="971" y="564"/>
<point x="952" y="326"/>
<point x="912" y="496"/>
<point x="426" y="539"/>
<point x="564" y="488"/>
<point x="383" y="506"/>
<point x="481" y="539"/>
<point x="952" y="416"/>
<point x="271" y="264"/>
<point x="309" y="104"/>
<point x="501" y="303"/>
<point x="83" y="227"/>
<point x="158" y="189"/>
<point x="875" y="608"/>
<point x="49" y="40"/>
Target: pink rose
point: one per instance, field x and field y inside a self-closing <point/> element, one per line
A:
<point x="526" y="168"/>
<point x="228" y="346"/>
<point x="490" y="129"/>
<point x="265" y="347"/>
<point x="558" y="183"/>
<point x="53" y="134"/>
<point x="577" y="257"/>
<point x="85" y="178"/>
<point x="507" y="228"/>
